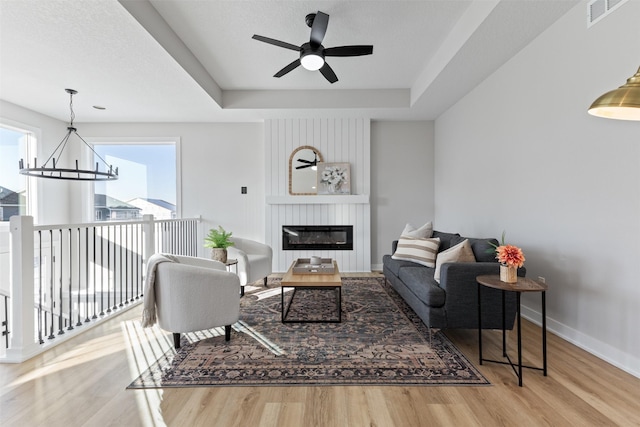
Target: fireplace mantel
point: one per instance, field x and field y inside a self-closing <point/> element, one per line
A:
<point x="318" y="200"/>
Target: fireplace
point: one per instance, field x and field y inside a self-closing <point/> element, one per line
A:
<point x="317" y="237"/>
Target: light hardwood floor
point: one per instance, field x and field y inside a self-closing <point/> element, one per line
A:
<point x="82" y="383"/>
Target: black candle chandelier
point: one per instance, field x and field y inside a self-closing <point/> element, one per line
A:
<point x="77" y="174"/>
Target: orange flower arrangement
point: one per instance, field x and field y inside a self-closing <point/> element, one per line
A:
<point x="510" y="255"/>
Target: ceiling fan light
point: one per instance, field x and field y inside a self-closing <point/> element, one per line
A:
<point x="312" y="61"/>
<point x="622" y="103"/>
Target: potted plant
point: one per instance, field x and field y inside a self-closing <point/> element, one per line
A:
<point x="218" y="241"/>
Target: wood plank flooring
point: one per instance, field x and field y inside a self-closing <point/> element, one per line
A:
<point x="82" y="383"/>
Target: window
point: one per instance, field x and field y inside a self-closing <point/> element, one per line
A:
<point x="147" y="181"/>
<point x="15" y="144"/>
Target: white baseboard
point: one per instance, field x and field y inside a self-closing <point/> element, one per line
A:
<point x="376" y="267"/>
<point x="625" y="361"/>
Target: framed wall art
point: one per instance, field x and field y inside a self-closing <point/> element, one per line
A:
<point x="334" y="178"/>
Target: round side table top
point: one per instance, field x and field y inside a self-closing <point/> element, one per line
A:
<point x="231" y="261"/>
<point x="523" y="284"/>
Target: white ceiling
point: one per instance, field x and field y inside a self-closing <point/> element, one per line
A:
<point x="195" y="61"/>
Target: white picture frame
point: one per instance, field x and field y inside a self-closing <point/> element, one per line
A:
<point x="334" y="178"/>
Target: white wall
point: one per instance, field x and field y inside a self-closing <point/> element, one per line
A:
<point x="402" y="181"/>
<point x="217" y="160"/>
<point x="521" y="154"/>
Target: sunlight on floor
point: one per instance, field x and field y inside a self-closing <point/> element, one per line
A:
<point x="145" y="346"/>
<point x="94" y="349"/>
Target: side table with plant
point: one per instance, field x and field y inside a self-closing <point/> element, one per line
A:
<point x="218" y="241"/>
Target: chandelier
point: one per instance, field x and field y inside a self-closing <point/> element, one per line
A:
<point x="77" y="174"/>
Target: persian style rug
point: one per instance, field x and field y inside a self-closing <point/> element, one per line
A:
<point x="380" y="341"/>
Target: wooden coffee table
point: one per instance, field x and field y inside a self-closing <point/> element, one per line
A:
<point x="311" y="281"/>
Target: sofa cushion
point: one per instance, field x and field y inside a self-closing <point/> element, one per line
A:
<point x="394" y="265"/>
<point x="423" y="232"/>
<point x="420" y="281"/>
<point x="459" y="253"/>
<point x="446" y="239"/>
<point x="420" y="251"/>
<point x="482" y="249"/>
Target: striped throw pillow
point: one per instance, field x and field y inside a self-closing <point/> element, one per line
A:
<point x="421" y="251"/>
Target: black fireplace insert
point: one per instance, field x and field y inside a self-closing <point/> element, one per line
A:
<point x="317" y="237"/>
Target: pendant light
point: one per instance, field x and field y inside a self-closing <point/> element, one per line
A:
<point x="77" y="174"/>
<point x="622" y="103"/>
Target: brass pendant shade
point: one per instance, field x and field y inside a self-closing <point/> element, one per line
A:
<point x="622" y="103"/>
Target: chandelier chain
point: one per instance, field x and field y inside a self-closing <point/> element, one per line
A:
<point x="73" y="115"/>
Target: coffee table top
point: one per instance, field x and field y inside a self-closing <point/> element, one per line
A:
<point x="524" y="284"/>
<point x="312" y="279"/>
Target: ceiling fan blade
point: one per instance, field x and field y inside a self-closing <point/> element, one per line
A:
<point x="295" y="64"/>
<point x="319" y="28"/>
<point x="328" y="73"/>
<point x="304" y="166"/>
<point x="276" y="42"/>
<point x="307" y="161"/>
<point x="356" y="50"/>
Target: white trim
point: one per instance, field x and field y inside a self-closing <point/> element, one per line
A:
<point x="318" y="200"/>
<point x="589" y="344"/>
<point x="35" y="349"/>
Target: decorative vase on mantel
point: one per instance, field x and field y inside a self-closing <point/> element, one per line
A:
<point x="219" y="254"/>
<point x="508" y="274"/>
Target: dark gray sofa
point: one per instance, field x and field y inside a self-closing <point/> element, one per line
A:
<point x="452" y="303"/>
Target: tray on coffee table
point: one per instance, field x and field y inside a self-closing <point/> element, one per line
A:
<point x="304" y="266"/>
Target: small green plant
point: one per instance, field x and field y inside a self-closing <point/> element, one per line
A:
<point x="218" y="238"/>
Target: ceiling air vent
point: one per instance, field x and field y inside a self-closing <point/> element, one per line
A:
<point x="598" y="9"/>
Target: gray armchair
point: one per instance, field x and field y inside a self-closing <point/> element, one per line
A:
<point x="195" y="294"/>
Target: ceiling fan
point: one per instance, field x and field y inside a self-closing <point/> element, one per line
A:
<point x="312" y="53"/>
<point x="308" y="163"/>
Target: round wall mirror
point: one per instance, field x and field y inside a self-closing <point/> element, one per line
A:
<point x="303" y="170"/>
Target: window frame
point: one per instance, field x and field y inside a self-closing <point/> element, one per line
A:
<point x="32" y="185"/>
<point x="88" y="194"/>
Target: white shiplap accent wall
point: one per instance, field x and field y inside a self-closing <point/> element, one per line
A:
<point x="338" y="140"/>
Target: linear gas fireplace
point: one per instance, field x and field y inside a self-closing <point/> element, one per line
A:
<point x="317" y="237"/>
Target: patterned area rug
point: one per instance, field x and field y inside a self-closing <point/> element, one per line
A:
<point x="380" y="341"/>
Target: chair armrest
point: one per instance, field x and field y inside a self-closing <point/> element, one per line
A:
<point x="243" y="266"/>
<point x="200" y="262"/>
<point x="251" y="246"/>
<point x="237" y="253"/>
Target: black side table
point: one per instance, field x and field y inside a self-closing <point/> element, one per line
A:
<point x="231" y="262"/>
<point x="522" y="285"/>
